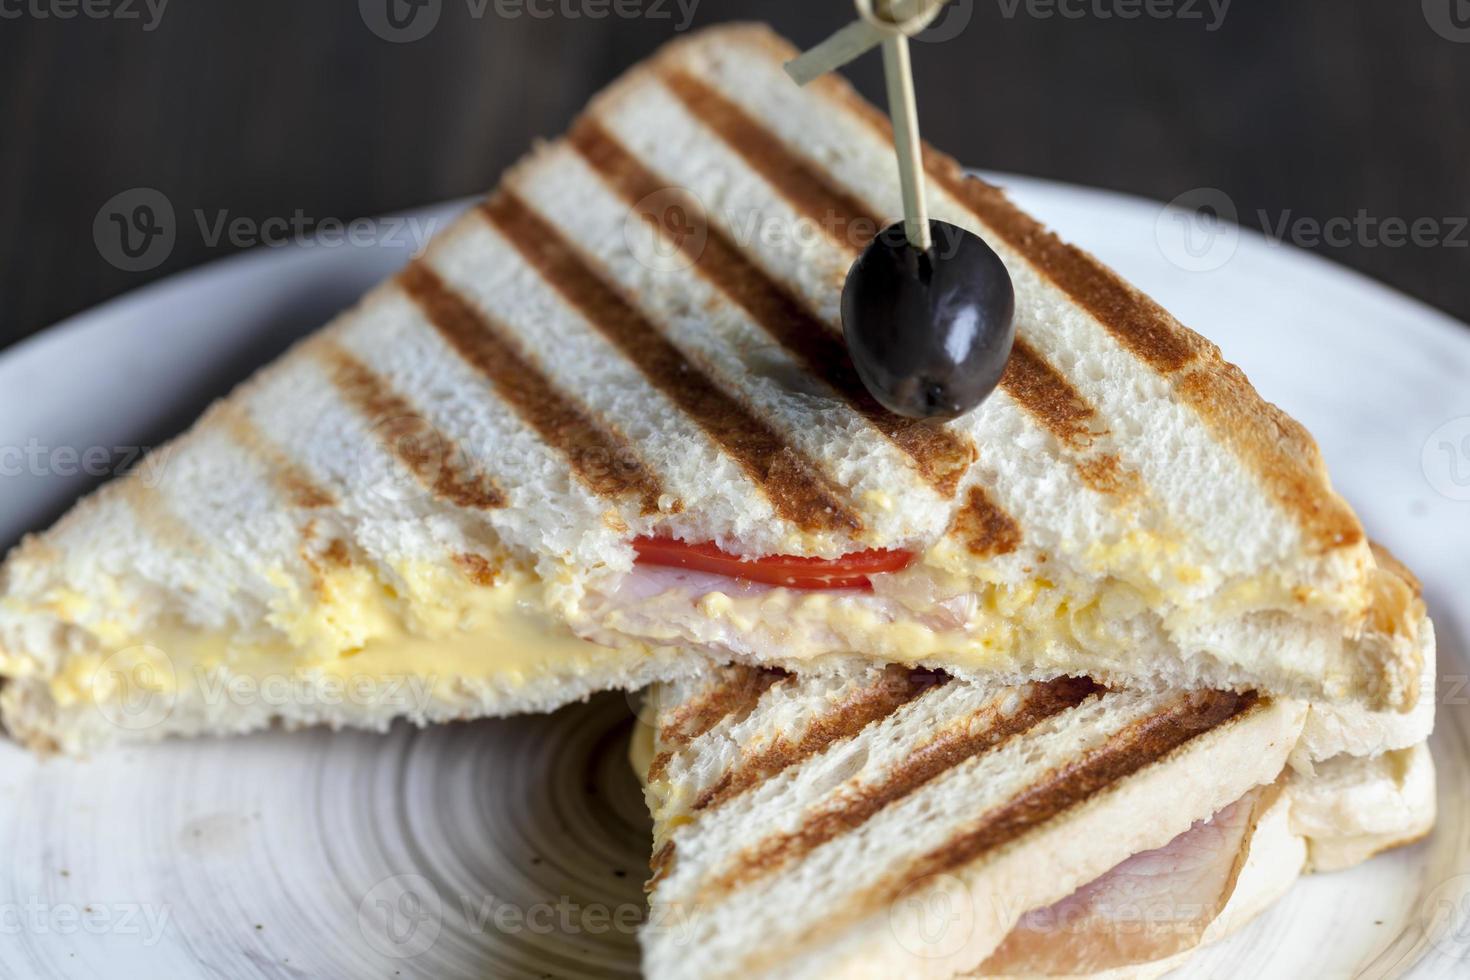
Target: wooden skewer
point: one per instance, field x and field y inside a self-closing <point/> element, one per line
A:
<point x="892" y="29"/>
<point x="904" y="111"/>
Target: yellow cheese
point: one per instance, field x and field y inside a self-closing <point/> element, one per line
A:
<point x="441" y="629"/>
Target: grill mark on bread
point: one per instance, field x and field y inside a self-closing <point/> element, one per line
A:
<point x="896" y="688"/>
<point x="435" y="460"/>
<point x="941" y="456"/>
<point x="1142" y="743"/>
<point x="1137" y="321"/>
<point x="983" y="731"/>
<point x="1275" y="446"/>
<point x="1106" y="473"/>
<point x="1046" y="392"/>
<point x="986" y="530"/>
<point x="289" y="478"/>
<point x="1281" y="453"/>
<point x="795" y="487"/>
<point x="477" y="568"/>
<point x="1140" y="324"/>
<point x="336" y="553"/>
<point x="1040" y="389"/>
<point x="807" y="189"/>
<point x="600" y="457"/>
<point x="737" y="694"/>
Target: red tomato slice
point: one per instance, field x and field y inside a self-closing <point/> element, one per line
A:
<point x="848" y="572"/>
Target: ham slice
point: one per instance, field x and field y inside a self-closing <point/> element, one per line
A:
<point x="1154" y="905"/>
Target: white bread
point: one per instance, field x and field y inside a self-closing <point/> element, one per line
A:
<point x="779" y="801"/>
<point x="760" y="828"/>
<point x="1353" y="807"/>
<point x="1347" y="812"/>
<point x="1353" y="730"/>
<point x="541" y="389"/>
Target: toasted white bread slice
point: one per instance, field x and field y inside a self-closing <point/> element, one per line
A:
<point x="637" y="337"/>
<point x="900" y="823"/>
<point x="805" y="827"/>
<point x="1153" y="912"/>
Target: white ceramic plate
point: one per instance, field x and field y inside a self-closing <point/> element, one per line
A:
<point x="517" y="848"/>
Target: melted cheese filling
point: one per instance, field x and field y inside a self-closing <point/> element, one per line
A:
<point x="919" y="615"/>
<point x="353" y="635"/>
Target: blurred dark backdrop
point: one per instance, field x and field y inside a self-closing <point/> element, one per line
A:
<point x="270" y="108"/>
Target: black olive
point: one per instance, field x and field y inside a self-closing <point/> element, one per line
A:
<point x="929" y="331"/>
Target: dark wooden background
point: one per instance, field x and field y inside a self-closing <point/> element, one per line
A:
<point x="269" y="107"/>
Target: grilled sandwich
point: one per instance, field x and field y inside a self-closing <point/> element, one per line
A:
<point x="606" y="429"/>
<point x="897" y="822"/>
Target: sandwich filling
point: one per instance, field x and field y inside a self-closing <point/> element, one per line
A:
<point x="356" y="645"/>
<point x="942" y="607"/>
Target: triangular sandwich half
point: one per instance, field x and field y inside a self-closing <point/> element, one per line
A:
<point x="902" y="823"/>
<point x="613" y="402"/>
